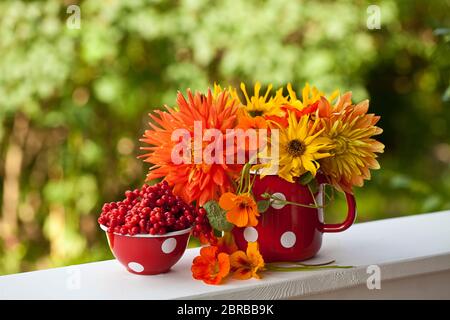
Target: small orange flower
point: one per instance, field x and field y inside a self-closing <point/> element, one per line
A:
<point x="211" y="267"/>
<point x="226" y="243"/>
<point x="241" y="209"/>
<point x="246" y="265"/>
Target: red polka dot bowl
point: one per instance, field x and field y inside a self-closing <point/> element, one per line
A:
<point x="147" y="254"/>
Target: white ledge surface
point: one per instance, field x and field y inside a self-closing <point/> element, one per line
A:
<point x="413" y="246"/>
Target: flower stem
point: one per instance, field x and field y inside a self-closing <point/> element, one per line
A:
<point x="282" y="201"/>
<point x="305" y="264"/>
<point x="272" y="267"/>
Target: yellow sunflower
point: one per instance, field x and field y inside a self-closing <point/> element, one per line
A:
<point x="301" y="146"/>
<point x="350" y="130"/>
<point x="261" y="105"/>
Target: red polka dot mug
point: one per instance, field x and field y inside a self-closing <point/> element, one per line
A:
<point x="290" y="232"/>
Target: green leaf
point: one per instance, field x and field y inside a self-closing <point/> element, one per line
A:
<point x="216" y="216"/>
<point x="263" y="205"/>
<point x="266" y="195"/>
<point x="313" y="186"/>
<point x="306" y="178"/>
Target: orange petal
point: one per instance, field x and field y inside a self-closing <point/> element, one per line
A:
<point x="242" y="274"/>
<point x="224" y="264"/>
<point x="252" y="248"/>
<point x="212" y="280"/>
<point x="226" y="201"/>
<point x="238" y="217"/>
<point x="239" y="260"/>
<point x="200" y="268"/>
<point x="254" y="256"/>
<point x="209" y="253"/>
<point x="219" y="177"/>
<point x="252" y="220"/>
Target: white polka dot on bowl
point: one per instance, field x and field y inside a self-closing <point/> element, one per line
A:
<point x="136" y="267"/>
<point x="169" y="245"/>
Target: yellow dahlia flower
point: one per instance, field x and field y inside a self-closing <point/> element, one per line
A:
<point x="261" y="105"/>
<point x="350" y="130"/>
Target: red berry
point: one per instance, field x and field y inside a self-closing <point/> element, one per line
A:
<point x="152" y="209"/>
<point x="183" y="219"/>
<point x="134" y="230"/>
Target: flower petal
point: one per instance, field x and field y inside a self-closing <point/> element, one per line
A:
<point x="239" y="260"/>
<point x="252" y="220"/>
<point x="209" y="253"/>
<point x="238" y="217"/>
<point x="254" y="256"/>
<point x="242" y="274"/>
<point x="227" y="201"/>
<point x="224" y="264"/>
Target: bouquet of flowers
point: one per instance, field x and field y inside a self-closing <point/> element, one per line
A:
<point x="321" y="135"/>
<point x="210" y="149"/>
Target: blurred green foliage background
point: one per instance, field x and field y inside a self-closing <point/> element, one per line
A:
<point x="74" y="102"/>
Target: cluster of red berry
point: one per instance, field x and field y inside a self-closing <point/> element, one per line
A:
<point x="153" y="210"/>
<point x="202" y="228"/>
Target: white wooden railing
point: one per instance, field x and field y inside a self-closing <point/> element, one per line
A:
<point x="411" y="256"/>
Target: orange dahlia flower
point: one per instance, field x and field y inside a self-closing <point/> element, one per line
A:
<point x="246" y="265"/>
<point x="192" y="181"/>
<point x="241" y="209"/>
<point x="211" y="267"/>
<point x="350" y="129"/>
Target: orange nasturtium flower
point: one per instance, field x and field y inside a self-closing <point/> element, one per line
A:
<point x="246" y="265"/>
<point x="241" y="209"/>
<point x="211" y="266"/>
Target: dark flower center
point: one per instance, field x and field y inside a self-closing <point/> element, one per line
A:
<point x="295" y="148"/>
<point x="243" y="205"/>
<point x="256" y="113"/>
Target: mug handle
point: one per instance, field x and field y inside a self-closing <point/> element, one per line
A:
<point x="351" y="216"/>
